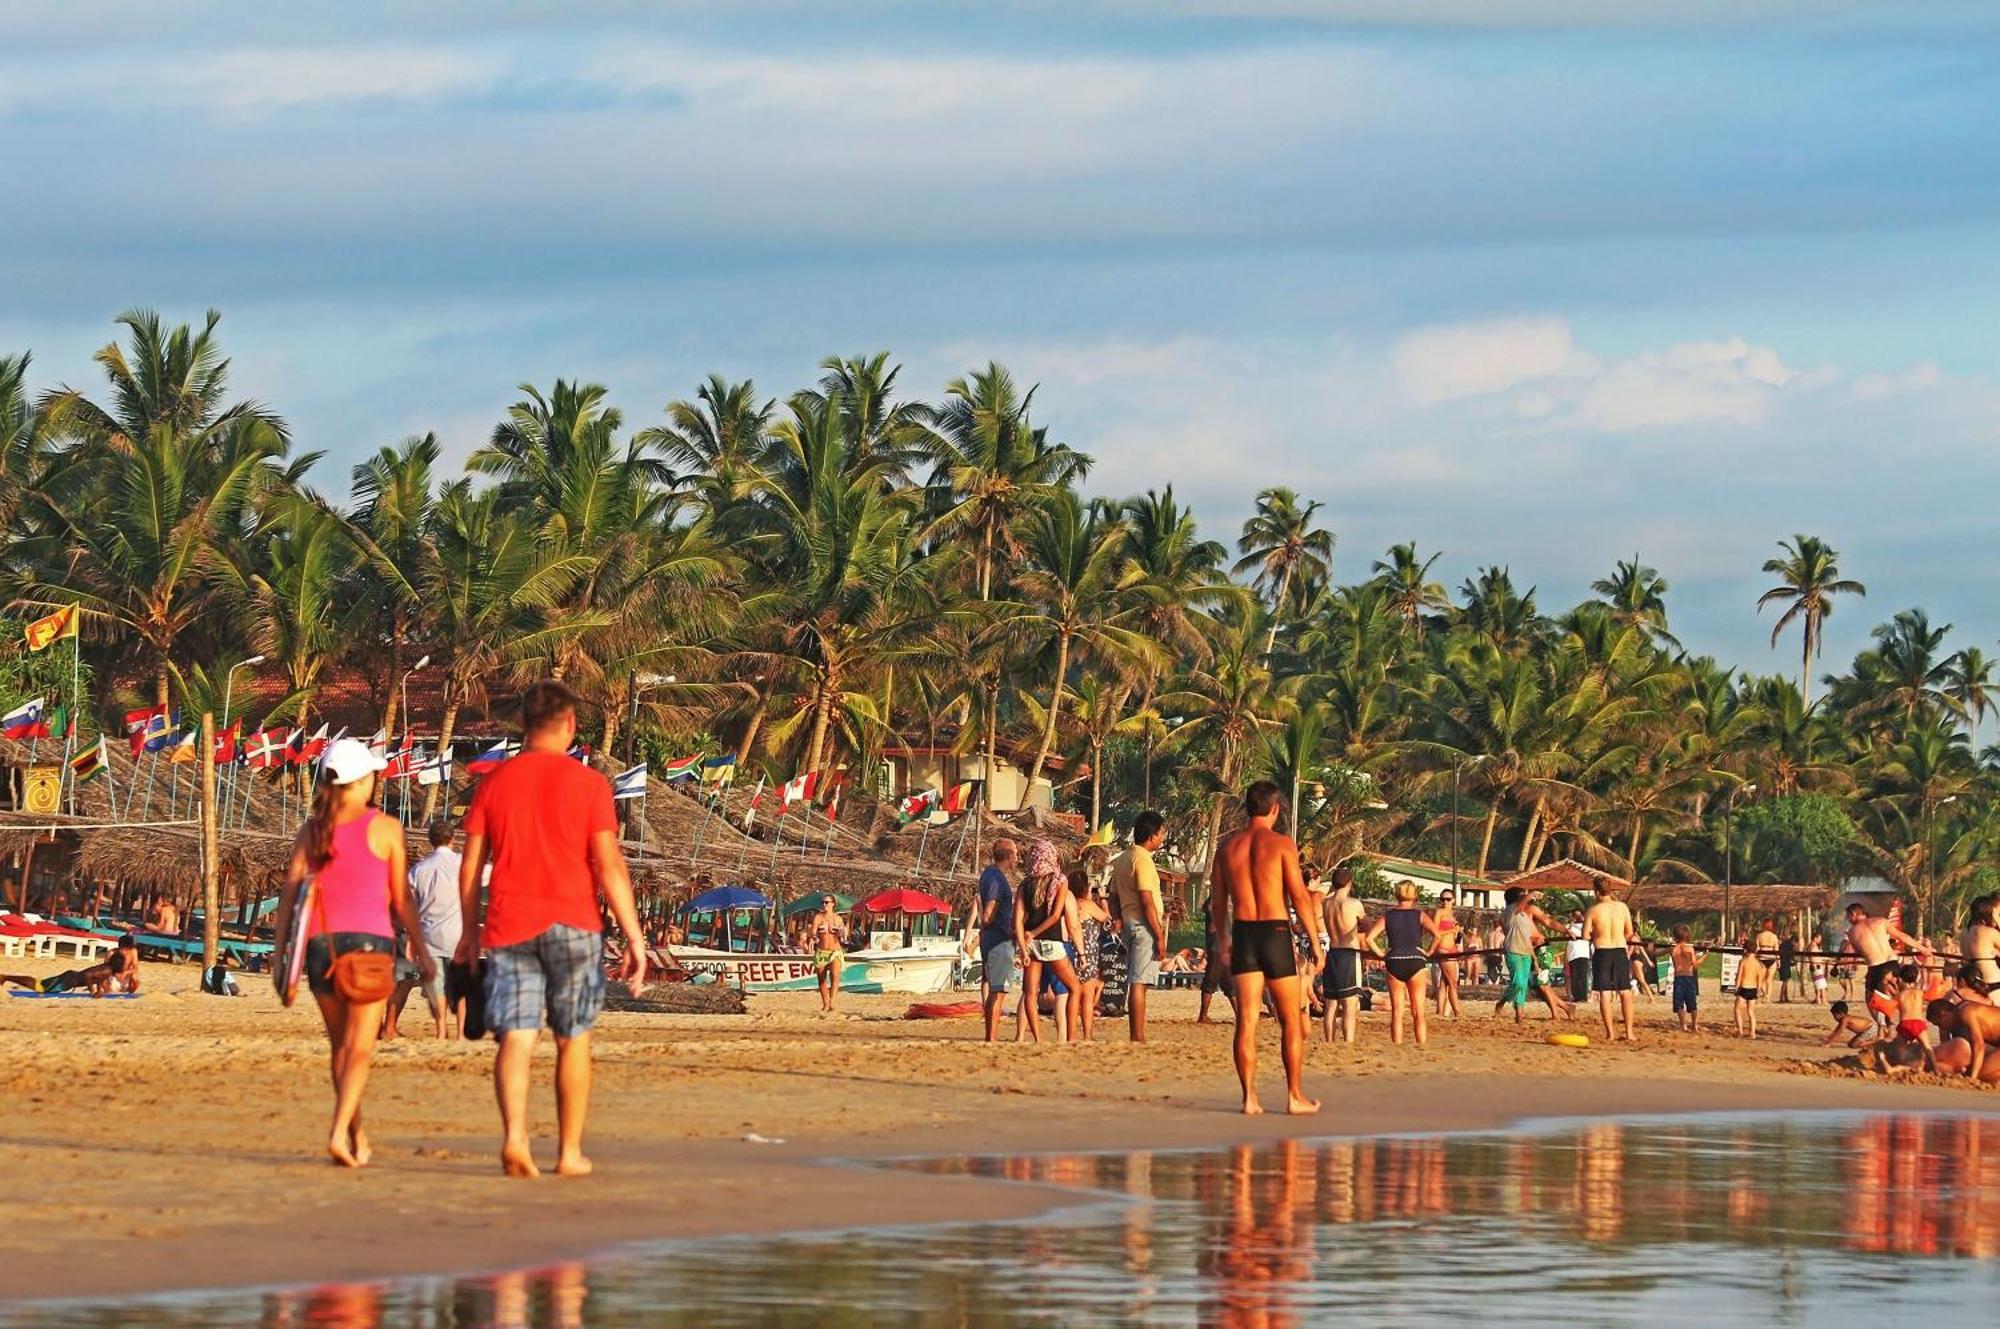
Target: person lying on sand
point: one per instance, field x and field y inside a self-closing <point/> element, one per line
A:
<point x="1848" y="1027"/>
<point x="116" y="972"/>
<point x="1902" y="1052"/>
<point x="1976" y="1023"/>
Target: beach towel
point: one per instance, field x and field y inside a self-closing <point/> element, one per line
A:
<point x="109" y="996"/>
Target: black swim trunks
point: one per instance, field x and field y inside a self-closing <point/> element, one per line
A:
<point x="1878" y="974"/>
<point x="1611" y="970"/>
<point x="1262" y="946"/>
<point x="1342" y="978"/>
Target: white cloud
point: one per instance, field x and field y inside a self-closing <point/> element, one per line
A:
<point x="1474" y="359"/>
<point x="251" y="80"/>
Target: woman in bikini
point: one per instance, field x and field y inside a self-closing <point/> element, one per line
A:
<point x="1091" y="918"/>
<point x="1047" y="914"/>
<point x="1446" y="952"/>
<point x="355" y="856"/>
<point x="1403" y="929"/>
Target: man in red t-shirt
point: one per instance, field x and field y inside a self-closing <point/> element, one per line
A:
<point x="544" y="822"/>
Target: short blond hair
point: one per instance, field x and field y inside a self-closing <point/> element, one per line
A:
<point x="1406" y="891"/>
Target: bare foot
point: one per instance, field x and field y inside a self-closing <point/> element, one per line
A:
<point x="517" y="1161"/>
<point x="574" y="1166"/>
<point x="338" y="1152"/>
<point x="1301" y="1107"/>
<point x="1251" y="1107"/>
<point x="362" y="1151"/>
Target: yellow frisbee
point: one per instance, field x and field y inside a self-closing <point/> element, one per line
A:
<point x="1570" y="1040"/>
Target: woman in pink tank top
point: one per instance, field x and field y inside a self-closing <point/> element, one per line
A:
<point x="355" y="857"/>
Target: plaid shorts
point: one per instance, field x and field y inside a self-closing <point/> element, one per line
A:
<point x="559" y="974"/>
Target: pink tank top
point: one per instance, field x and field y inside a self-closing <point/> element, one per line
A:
<point x="353" y="887"/>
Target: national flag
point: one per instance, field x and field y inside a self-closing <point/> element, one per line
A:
<point x="833" y="804"/>
<point x="402" y="763"/>
<point x="581" y="751"/>
<point x="435" y="771"/>
<point x="756" y="797"/>
<point x="800" y="787"/>
<point x="719" y="770"/>
<point x="918" y="805"/>
<point x="682" y="769"/>
<point x="41" y="633"/>
<point x="182" y="750"/>
<point x="156" y="732"/>
<point x="630" y="783"/>
<point x="266" y="749"/>
<point x="378" y="743"/>
<point x="487" y="761"/>
<point x="1102" y="837"/>
<point x="137" y="720"/>
<point x="25" y="721"/>
<point x="229" y="744"/>
<point x="958" y="798"/>
<point x="306" y="748"/>
<point x="89" y="761"/>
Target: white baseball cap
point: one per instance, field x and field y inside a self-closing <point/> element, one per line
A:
<point x="349" y="759"/>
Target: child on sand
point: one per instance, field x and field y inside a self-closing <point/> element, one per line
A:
<point x="1686" y="957"/>
<point x="1850" y="1028"/>
<point x="1749" y="977"/>
<point x="1904" y="1051"/>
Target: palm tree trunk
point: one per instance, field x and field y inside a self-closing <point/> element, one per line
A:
<point x="445" y="728"/>
<point x="1528" y="841"/>
<point x="1277" y="608"/>
<point x="1632" y="854"/>
<point x="614" y="718"/>
<point x="1096" y="785"/>
<point x="822" y="711"/>
<point x="1049" y="720"/>
<point x="160" y="694"/>
<point x="1486" y="839"/>
<point x="390" y="707"/>
<point x="1805" y="661"/>
<point x="749" y="743"/>
<point x="1228" y="771"/>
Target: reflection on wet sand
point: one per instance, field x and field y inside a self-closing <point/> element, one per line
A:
<point x="1773" y="1222"/>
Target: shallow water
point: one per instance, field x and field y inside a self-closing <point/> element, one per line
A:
<point x="1792" y="1221"/>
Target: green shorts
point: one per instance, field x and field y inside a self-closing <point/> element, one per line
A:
<point x="1520" y="977"/>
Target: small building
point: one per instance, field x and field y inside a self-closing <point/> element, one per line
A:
<point x="942" y="768"/>
<point x="1430" y="878"/>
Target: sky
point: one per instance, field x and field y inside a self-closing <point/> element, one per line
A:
<point x="1535" y="283"/>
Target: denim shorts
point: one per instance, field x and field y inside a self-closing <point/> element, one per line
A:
<point x="319" y="959"/>
<point x="558" y="975"/>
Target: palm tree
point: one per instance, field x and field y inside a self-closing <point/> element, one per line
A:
<point x="1406" y="579"/>
<point x="1283" y="547"/>
<point x="1906" y="670"/>
<point x="170" y="471"/>
<point x="1810" y="577"/>
<point x="1507" y="619"/>
<point x="721" y="438"/>
<point x="1637" y="596"/>
<point x="488" y="588"/>
<point x="395" y="496"/>
<point x="289" y="599"/>
<point x="1228" y="699"/>
<point x="1970" y="683"/>
<point x="1075" y="584"/>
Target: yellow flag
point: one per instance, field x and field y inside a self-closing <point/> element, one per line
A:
<point x="1102" y="836"/>
<point x="54" y="628"/>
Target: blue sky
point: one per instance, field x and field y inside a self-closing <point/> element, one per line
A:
<point x="1534" y="282"/>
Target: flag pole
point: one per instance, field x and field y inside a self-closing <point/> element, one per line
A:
<point x="69" y="711"/>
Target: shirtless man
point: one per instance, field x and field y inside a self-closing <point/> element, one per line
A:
<point x="829" y="943"/>
<point x="1874" y="940"/>
<point x="118" y="971"/>
<point x="1979" y="944"/>
<point x="1254" y="880"/>
<point x="1608" y="928"/>
<point x="1341" y="982"/>
<point x="1972" y="1024"/>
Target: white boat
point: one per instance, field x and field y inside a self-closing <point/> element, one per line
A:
<point x="920" y="969"/>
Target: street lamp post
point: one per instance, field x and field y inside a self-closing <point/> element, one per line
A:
<point x="403" y="692"/>
<point x="1729" y="851"/>
<point x="229" y="684"/>
<point x="1457" y="769"/>
<point x="640" y="683"/>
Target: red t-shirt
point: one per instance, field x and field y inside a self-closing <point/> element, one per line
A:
<point x="538" y="811"/>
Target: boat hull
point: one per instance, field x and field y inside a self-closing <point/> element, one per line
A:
<point x="907" y="970"/>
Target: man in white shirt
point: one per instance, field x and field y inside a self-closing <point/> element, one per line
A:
<point x="1576" y="960"/>
<point x="434" y="889"/>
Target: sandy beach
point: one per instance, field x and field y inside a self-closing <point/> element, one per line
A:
<point x="176" y="1138"/>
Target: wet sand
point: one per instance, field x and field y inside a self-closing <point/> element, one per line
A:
<point x="176" y="1139"/>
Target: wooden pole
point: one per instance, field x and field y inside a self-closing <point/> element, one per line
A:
<point x="211" y="919"/>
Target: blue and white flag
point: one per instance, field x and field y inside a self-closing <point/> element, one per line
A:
<point x="630" y="783"/>
<point x="435" y="771"/>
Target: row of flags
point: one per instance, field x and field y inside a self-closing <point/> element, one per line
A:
<point x="926" y="801"/>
